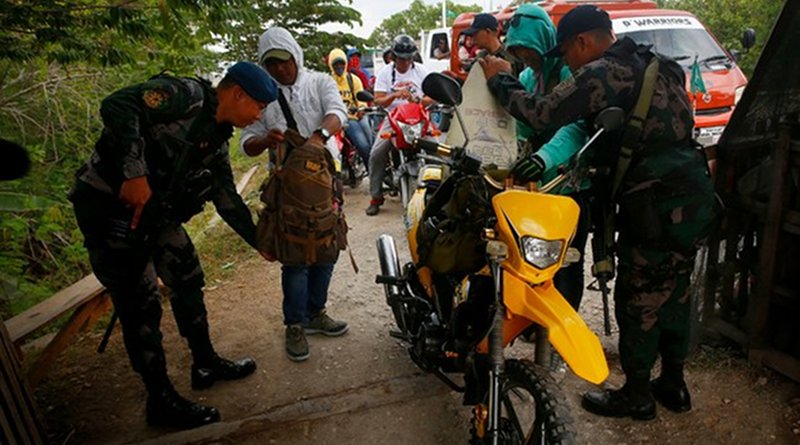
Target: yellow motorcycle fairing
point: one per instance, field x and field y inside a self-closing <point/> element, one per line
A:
<point x="547" y="217"/>
<point x="529" y="292"/>
<point x="568" y="333"/>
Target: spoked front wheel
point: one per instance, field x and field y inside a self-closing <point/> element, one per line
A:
<point x="533" y="410"/>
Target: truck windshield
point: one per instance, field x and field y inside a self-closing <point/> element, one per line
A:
<point x="684" y="45"/>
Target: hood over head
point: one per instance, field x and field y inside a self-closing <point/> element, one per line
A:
<point x="535" y="31"/>
<point x="334" y="55"/>
<point x="280" y="39"/>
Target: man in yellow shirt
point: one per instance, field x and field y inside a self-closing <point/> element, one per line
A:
<point x="358" y="130"/>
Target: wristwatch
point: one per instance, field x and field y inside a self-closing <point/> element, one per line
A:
<point x="323" y="133"/>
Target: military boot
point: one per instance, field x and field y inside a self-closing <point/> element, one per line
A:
<point x="633" y="400"/>
<point x="670" y="389"/>
<point x="166" y="408"/>
<point x="216" y="368"/>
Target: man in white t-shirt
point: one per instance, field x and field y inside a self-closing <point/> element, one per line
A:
<point x="396" y="84"/>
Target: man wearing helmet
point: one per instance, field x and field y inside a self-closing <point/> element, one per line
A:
<point x="397" y="84"/>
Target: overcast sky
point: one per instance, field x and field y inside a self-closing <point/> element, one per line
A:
<point x="374" y="11"/>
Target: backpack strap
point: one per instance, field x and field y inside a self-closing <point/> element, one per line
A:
<point x="632" y="135"/>
<point x="287" y="112"/>
<point x="352" y="90"/>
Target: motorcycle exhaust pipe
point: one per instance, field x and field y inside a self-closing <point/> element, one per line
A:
<point x="390" y="264"/>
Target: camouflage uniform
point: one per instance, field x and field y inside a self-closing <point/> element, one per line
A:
<point x="666" y="197"/>
<point x="147" y="128"/>
<point x="516" y="64"/>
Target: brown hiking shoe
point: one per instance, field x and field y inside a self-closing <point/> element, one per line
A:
<point x="296" y="343"/>
<point x="323" y="324"/>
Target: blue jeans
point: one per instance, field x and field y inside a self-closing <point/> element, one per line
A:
<point x="305" y="291"/>
<point x="360" y="136"/>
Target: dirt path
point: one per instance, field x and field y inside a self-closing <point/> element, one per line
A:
<point x="363" y="388"/>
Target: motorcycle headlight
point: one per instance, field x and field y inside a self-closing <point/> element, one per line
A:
<point x="541" y="253"/>
<point x="737" y="95"/>
<point x="411" y="132"/>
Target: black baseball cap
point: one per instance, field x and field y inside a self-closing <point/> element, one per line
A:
<point x="479" y="22"/>
<point x="579" y="20"/>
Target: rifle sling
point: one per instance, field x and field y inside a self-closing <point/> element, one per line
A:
<point x="631" y="138"/>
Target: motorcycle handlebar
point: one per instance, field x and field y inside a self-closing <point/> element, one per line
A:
<point x="434" y="148"/>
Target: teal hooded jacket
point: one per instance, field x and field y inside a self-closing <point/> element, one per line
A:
<point x="535" y="30"/>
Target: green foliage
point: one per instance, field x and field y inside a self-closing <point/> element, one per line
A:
<point x="727" y="19"/>
<point x="59" y="59"/>
<point x="418" y="17"/>
<point x="303" y="19"/>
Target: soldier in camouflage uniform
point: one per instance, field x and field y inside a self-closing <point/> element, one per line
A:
<point x="666" y="199"/>
<point x="163" y="154"/>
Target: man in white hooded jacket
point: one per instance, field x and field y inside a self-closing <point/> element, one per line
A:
<point x="313" y="106"/>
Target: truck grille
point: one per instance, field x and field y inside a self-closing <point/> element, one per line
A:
<point x="711" y="111"/>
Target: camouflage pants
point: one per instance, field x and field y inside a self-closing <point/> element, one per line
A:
<point x="129" y="270"/>
<point x="652" y="307"/>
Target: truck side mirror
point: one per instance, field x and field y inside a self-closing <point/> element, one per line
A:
<point x="748" y="38"/>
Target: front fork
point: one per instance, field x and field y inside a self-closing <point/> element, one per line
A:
<point x="496" y="358"/>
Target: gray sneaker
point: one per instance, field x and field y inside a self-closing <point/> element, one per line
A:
<point x="296" y="343"/>
<point x="323" y="324"/>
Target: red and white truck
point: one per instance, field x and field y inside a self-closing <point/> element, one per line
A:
<point x="677" y="34"/>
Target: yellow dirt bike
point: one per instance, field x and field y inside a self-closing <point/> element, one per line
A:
<point x="462" y="324"/>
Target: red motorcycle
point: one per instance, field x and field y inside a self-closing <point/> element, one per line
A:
<point x="408" y="122"/>
<point x="353" y="168"/>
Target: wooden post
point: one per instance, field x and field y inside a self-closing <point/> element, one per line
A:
<point x="20" y="422"/>
<point x="758" y="310"/>
<point x="84" y="317"/>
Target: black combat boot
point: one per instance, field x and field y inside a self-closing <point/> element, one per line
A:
<point x="633" y="400"/>
<point x="670" y="390"/>
<point x="166" y="408"/>
<point x="206" y="372"/>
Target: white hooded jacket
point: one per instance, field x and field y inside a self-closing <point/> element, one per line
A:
<point x="312" y="96"/>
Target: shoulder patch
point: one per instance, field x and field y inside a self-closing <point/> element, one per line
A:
<point x="156" y="99"/>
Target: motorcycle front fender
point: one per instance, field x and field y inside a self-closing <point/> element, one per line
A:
<point x="567" y="332"/>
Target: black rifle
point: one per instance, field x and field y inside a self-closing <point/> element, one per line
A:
<point x="602" y="251"/>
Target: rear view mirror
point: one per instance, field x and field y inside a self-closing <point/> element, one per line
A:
<point x="365" y="96"/>
<point x="748" y="38"/>
<point x="443" y="89"/>
<point x="610" y="119"/>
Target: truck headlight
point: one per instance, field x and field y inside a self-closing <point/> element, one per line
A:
<point x="541" y="253"/>
<point x="737" y="95"/>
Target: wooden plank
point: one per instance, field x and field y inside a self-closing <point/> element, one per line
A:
<point x="777" y="360"/>
<point x="727" y="330"/>
<point x="370" y="396"/>
<point x="239" y="189"/>
<point x="758" y="311"/>
<point x="61" y="302"/>
<point x="82" y="319"/>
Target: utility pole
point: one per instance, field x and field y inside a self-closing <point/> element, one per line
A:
<point x="444" y="13"/>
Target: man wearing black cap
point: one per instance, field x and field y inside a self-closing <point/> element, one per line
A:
<point x="483" y="31"/>
<point x="163" y="154"/>
<point x="658" y="182"/>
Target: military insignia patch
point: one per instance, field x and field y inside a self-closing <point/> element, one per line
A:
<point x="155" y="99"/>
